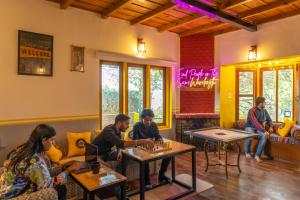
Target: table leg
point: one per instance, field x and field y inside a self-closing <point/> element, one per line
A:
<point x="238" y="158"/>
<point x="85" y="195"/>
<point x="206" y="156"/>
<point x="142" y="181"/>
<point x="194" y="169"/>
<point x="219" y="150"/>
<point x="226" y="164"/>
<point x="91" y="196"/>
<point x="123" y="164"/>
<point x="123" y="190"/>
<point x="173" y="168"/>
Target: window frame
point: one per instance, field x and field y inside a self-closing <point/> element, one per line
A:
<point x="123" y="85"/>
<point x="164" y="92"/>
<point x="277" y="69"/>
<point x="120" y="87"/>
<point x="237" y="89"/>
<point x="127" y="83"/>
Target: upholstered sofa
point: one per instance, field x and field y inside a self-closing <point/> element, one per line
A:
<point x="280" y="148"/>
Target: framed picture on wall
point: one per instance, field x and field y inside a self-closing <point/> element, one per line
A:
<point x="77" y="58"/>
<point x="35" y="54"/>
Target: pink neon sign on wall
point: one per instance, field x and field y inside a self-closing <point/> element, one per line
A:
<point x="199" y="78"/>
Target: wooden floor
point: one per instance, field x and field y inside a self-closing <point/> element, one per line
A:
<point x="267" y="180"/>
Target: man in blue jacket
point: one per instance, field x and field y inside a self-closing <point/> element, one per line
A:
<point x="257" y="116"/>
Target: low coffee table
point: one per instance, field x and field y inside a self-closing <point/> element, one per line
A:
<point x="93" y="183"/>
<point x="218" y="136"/>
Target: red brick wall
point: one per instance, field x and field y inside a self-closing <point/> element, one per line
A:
<point x="196" y="51"/>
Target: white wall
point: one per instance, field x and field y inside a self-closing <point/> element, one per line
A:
<point x="66" y="93"/>
<point x="275" y="39"/>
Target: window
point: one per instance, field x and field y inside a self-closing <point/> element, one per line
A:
<point x="278" y="89"/>
<point x="110" y="92"/>
<point x="135" y="91"/>
<point x="129" y="88"/>
<point x="246" y="92"/>
<point x="269" y="92"/>
<point x="157" y="94"/>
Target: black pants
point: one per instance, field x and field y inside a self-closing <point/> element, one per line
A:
<point x="61" y="191"/>
<point x="112" y="156"/>
<point x="163" y="168"/>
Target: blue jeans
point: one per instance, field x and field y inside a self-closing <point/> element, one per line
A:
<point x="261" y="144"/>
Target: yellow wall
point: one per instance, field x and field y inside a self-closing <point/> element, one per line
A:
<point x="227" y="96"/>
<point x="228" y="88"/>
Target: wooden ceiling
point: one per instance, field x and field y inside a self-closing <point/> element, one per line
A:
<point x="165" y="15"/>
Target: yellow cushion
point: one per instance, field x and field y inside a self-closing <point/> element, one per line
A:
<point x="54" y="154"/>
<point x="126" y="134"/>
<point x="76" y="143"/>
<point x="136" y="117"/>
<point x="285" y="129"/>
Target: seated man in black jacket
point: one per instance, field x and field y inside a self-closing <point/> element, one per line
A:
<point x="145" y="129"/>
<point x="109" y="141"/>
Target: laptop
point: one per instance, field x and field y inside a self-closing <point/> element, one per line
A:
<point x="91" y="156"/>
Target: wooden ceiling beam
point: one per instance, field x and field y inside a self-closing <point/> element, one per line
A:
<point x="264" y="8"/>
<point x="220" y="15"/>
<point x="153" y="13"/>
<point x="180" y="22"/>
<point x="64" y="4"/>
<point x="200" y="29"/>
<point x="115" y="7"/>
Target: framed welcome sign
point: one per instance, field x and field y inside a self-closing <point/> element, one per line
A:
<point x="35" y="54"/>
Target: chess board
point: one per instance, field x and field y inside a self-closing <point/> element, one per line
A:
<point x="159" y="146"/>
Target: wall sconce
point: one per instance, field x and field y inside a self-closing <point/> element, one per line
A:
<point x="41" y="69"/>
<point x="141" y="46"/>
<point x="252" y="55"/>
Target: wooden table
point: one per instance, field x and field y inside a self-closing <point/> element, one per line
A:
<point x="93" y="183"/>
<point x="144" y="157"/>
<point x="220" y="136"/>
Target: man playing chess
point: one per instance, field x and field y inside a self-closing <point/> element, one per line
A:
<point x="109" y="141"/>
<point x="145" y="129"/>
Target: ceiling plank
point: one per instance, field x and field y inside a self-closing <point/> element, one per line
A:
<point x="200" y="29"/>
<point x="220" y="15"/>
<point x="64" y="4"/>
<point x="117" y="6"/>
<point x="278" y="17"/>
<point x="227" y="30"/>
<point x="230" y="4"/>
<point x="153" y="13"/>
<point x="264" y="8"/>
<point x="180" y="22"/>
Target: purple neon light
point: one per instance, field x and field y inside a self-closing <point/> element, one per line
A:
<point x="186" y="75"/>
<point x="193" y="8"/>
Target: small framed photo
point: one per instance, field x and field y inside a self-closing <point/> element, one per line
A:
<point x="35" y="54"/>
<point x="77" y="58"/>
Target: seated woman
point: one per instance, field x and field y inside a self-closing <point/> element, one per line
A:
<point x="145" y="129"/>
<point x="27" y="169"/>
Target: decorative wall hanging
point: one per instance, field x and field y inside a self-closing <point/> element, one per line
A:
<point x="77" y="58"/>
<point x="35" y="54"/>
